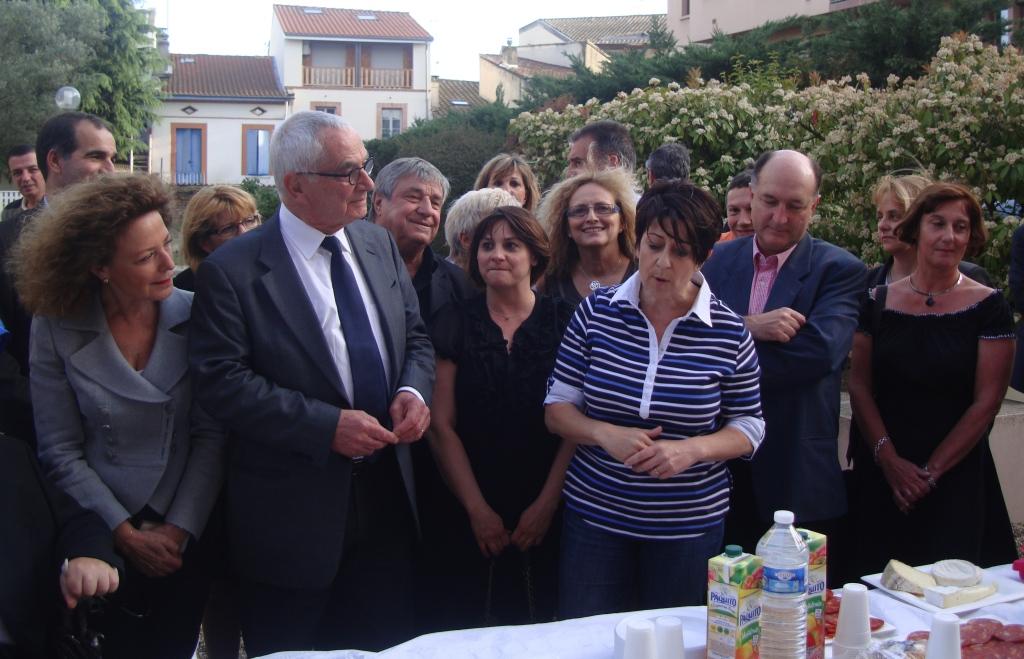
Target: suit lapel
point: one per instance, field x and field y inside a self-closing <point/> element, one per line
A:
<point x="383" y="286"/>
<point x="287" y="293"/>
<point x="169" y="362"/>
<point x="736" y="276"/>
<point x="101" y="361"/>
<point x="791" y="277"/>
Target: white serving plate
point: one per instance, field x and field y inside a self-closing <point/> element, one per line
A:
<point x="885" y="630"/>
<point x="1007" y="590"/>
<point x="695" y="632"/>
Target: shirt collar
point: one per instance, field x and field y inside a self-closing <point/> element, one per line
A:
<point x="629" y="293"/>
<point x="305" y="238"/>
<point x="782" y="256"/>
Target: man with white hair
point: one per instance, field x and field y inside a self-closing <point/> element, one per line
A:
<point x="307" y="344"/>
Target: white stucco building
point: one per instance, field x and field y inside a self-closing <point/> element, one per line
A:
<point x="218" y="114"/>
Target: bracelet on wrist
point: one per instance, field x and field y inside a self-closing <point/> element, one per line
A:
<point x="932" y="483"/>
<point x="878" y="447"/>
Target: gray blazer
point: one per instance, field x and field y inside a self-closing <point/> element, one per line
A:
<point x="112" y="437"/>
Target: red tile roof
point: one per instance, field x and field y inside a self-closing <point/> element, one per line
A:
<point x="457" y="95"/>
<point x="224" y="76"/>
<point x="349" y="23"/>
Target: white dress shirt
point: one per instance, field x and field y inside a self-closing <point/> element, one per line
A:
<point x="313" y="263"/>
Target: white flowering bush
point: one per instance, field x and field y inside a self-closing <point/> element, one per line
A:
<point x="963" y="120"/>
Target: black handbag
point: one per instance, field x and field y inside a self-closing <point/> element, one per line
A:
<point x="75" y="639"/>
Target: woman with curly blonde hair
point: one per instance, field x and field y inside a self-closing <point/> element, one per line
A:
<point x="214" y="215"/>
<point x="590" y="220"/>
<point x="510" y="172"/>
<point x="115" y="423"/>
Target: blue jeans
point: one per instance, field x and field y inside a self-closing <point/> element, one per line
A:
<point x="601" y="572"/>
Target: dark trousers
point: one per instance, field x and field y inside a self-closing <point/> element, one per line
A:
<point x="156" y="617"/>
<point x="368" y="606"/>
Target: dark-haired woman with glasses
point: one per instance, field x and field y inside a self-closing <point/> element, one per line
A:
<point x="589" y="219"/>
<point x="213" y="216"/>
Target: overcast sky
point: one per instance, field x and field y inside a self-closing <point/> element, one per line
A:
<point x="461" y="30"/>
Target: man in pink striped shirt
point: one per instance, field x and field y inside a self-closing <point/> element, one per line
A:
<point x="799" y="298"/>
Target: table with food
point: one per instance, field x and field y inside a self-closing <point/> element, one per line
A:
<point x="988" y="603"/>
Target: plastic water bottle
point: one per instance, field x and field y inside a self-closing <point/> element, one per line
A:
<point x="783" y="590"/>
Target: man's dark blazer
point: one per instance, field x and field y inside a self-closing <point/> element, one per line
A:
<point x="40" y="526"/>
<point x="262" y="367"/>
<point x="797" y="468"/>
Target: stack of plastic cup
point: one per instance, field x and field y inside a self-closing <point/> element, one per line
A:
<point x="853" y="631"/>
<point x="669" y="634"/>
<point x="640" y="640"/>
<point x="944" y="639"/>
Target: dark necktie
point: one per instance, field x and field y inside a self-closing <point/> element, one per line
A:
<point x="370" y="387"/>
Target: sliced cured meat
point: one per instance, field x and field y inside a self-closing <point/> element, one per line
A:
<point x="918" y="636"/>
<point x="1010" y="633"/>
<point x="978" y="631"/>
<point x="876" y="624"/>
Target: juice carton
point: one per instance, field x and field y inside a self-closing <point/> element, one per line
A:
<point x="734" y="605"/>
<point x="817" y="550"/>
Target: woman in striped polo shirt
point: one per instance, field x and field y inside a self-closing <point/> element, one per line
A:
<point x="656" y="382"/>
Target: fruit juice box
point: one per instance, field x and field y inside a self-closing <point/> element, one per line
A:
<point x="734" y="605"/>
<point x="817" y="550"/>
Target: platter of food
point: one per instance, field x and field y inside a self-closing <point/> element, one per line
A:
<point x="980" y="638"/>
<point x="953" y="586"/>
<point x="879" y="627"/>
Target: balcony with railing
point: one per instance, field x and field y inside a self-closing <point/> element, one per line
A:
<point x="350" y="77"/>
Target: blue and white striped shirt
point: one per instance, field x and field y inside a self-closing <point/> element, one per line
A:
<point x="703" y="375"/>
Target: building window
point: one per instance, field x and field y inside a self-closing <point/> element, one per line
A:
<point x="256" y="150"/>
<point x="686" y="7"/>
<point x="391" y="122"/>
<point x="188" y="153"/>
<point x="322" y="106"/>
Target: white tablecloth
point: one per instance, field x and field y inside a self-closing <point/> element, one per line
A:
<point x="593" y="637"/>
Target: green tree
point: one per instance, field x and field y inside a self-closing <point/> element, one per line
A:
<point x="123" y="87"/>
<point x="102" y="47"/>
<point x="43" y="48"/>
<point x="885" y="38"/>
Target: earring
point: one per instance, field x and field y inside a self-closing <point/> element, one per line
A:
<point x="106" y="280"/>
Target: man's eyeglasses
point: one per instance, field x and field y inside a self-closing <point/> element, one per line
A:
<point x="352" y="175"/>
<point x="235" y="228"/>
<point x="583" y="210"/>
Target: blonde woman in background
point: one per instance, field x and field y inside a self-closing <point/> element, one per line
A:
<point x="213" y="216"/>
<point x="590" y="221"/>
<point x="510" y="172"/>
<point x="465" y="214"/>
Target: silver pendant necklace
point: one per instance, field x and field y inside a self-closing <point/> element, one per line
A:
<point x="929" y="295"/>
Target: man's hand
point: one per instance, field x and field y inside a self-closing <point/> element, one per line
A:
<point x="409" y="417"/>
<point x="153" y="553"/>
<point x="779" y="325"/>
<point x="358" y="434"/>
<point x="86" y="577"/>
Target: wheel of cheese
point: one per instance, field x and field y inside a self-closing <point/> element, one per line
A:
<point x="955" y="572"/>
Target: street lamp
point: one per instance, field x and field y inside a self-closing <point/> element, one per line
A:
<point x="68" y="98"/>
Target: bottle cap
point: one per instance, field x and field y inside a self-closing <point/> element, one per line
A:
<point x="732" y="551"/>
<point x="783" y="517"/>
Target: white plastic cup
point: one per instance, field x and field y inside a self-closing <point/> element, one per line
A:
<point x="640" y="641"/>
<point x="944" y="639"/>
<point x="853" y="631"/>
<point x="668" y="630"/>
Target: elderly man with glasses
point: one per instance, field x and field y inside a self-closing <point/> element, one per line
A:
<point x="307" y="344"/>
